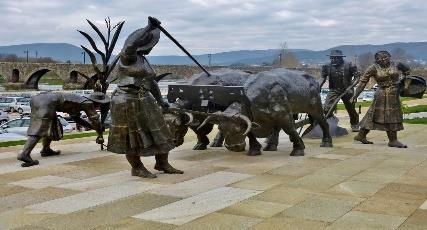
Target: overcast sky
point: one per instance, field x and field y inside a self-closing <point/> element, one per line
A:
<point x="210" y="26"/>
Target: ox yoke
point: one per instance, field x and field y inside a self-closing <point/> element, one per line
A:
<point x="208" y="98"/>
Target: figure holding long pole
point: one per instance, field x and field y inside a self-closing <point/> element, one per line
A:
<point x="137" y="126"/>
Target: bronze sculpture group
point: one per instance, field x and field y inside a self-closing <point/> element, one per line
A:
<point x="253" y="105"/>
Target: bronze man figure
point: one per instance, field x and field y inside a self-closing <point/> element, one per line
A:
<point x="45" y="124"/>
<point x="385" y="112"/>
<point x="138" y="127"/>
<point x="340" y="74"/>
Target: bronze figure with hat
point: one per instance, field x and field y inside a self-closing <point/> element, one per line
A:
<point x="45" y="124"/>
<point x="341" y="75"/>
<point x="137" y="125"/>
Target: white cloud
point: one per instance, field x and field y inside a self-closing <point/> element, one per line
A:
<point x="325" y="22"/>
<point x="204" y="26"/>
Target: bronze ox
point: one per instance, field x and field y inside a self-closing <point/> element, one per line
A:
<point x="274" y="97"/>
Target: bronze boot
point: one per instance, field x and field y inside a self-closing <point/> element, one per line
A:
<point x="361" y="136"/>
<point x="46" y="150"/>
<point x="25" y="155"/>
<point x="138" y="168"/>
<point x="162" y="164"/>
<point x="392" y="140"/>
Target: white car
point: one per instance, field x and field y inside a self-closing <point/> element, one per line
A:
<point x="8" y="103"/>
<point x="4" y="117"/>
<point x="20" y="126"/>
<point x="11" y="136"/>
<point x="367" y="95"/>
<point x="22" y="107"/>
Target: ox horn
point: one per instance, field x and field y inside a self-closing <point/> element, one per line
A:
<point x="209" y="119"/>
<point x="248" y="122"/>
<point x="190" y="117"/>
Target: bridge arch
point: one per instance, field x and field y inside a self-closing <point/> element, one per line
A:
<point x="73" y="77"/>
<point x="15" y="76"/>
<point x="35" y="76"/>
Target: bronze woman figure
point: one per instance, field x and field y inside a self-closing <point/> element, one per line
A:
<point x="385" y="112"/>
<point x="138" y="127"/>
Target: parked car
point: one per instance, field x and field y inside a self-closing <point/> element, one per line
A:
<point x="8" y="103"/>
<point x="4" y="117"/>
<point x="367" y="95"/>
<point x="20" y="125"/>
<point x="22" y="107"/>
<point x="10" y="136"/>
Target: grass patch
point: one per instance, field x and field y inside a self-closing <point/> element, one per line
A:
<point x="362" y="103"/>
<point x="402" y="99"/>
<point x="67" y="136"/>
<point x="420" y="121"/>
<point x="414" y="109"/>
<point x="407" y="99"/>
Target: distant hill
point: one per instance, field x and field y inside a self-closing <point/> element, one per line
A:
<point x="57" y="51"/>
<point x="63" y="52"/>
<point x="417" y="50"/>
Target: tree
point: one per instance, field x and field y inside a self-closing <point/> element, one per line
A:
<point x="399" y="55"/>
<point x="365" y="60"/>
<point x="101" y="79"/>
<point x="286" y="58"/>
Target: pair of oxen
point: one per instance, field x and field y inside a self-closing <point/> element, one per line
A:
<point x="274" y="98"/>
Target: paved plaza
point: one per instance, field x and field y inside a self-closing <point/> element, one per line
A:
<point x="350" y="186"/>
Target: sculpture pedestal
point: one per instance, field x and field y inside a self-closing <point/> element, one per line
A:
<point x="334" y="129"/>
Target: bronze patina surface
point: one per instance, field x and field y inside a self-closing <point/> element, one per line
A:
<point x="45" y="124"/>
<point x="138" y="127"/>
<point x="340" y="75"/>
<point x="385" y="112"/>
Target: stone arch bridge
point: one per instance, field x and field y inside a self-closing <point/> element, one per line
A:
<point x="27" y="75"/>
<point x="77" y="76"/>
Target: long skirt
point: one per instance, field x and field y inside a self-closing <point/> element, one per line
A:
<point x="385" y="112"/>
<point x="137" y="125"/>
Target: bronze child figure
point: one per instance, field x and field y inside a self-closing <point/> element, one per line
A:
<point x="385" y="112"/>
<point x="45" y="124"/>
<point x="138" y="127"/>
<point x="340" y="74"/>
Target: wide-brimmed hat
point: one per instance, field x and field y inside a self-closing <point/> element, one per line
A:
<point x="98" y="97"/>
<point x="336" y="53"/>
<point x="153" y="39"/>
<point x="382" y="53"/>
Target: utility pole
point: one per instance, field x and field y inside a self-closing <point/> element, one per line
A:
<point x="355" y="59"/>
<point x="26" y="51"/>
<point x="210" y="59"/>
<point x="84" y="57"/>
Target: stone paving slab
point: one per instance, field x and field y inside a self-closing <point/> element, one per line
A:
<point x="220" y="221"/>
<point x="323" y="209"/>
<point x="92" y="198"/>
<point x="349" y="186"/>
<point x="46" y="162"/>
<point x="114" y="213"/>
<point x="30" y="197"/>
<point x="289" y="223"/>
<point x="255" y="208"/>
<point x="97" y="182"/>
<point x="42" y="182"/>
<point x="365" y="220"/>
<point x="200" y="184"/>
<point x="191" y="208"/>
